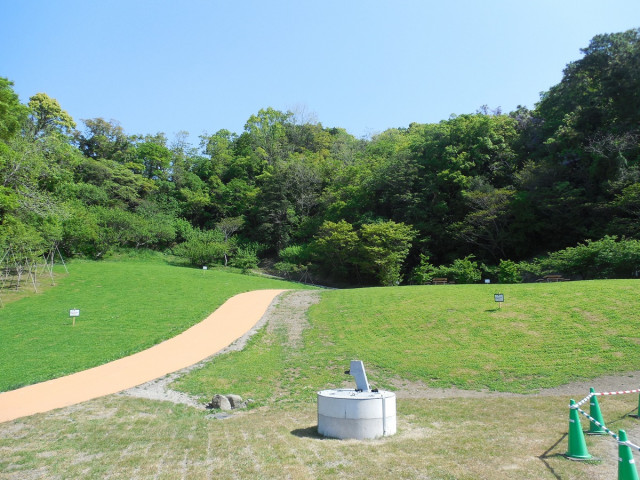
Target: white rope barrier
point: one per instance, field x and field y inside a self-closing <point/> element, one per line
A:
<point x="618" y="393"/>
<point x="577" y="405"/>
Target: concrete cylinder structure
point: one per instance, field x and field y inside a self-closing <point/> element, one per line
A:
<point x="348" y="413"/>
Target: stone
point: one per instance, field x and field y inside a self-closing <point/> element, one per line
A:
<point x="235" y="400"/>
<point x="221" y="402"/>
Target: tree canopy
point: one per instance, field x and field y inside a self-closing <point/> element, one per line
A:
<point x="477" y="190"/>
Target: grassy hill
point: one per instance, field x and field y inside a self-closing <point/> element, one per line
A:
<point x="543" y="335"/>
<point x="125" y="307"/>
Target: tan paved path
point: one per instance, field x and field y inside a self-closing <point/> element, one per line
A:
<point x="228" y="323"/>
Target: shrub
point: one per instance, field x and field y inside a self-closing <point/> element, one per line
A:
<point x="203" y="247"/>
<point x="294" y="254"/>
<point x="245" y="258"/>
<point x="605" y="258"/>
<point x="460" y="271"/>
<point x="509" y="272"/>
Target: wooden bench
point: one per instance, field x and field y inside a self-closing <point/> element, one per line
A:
<point x="439" y="281"/>
<point x="553" y="278"/>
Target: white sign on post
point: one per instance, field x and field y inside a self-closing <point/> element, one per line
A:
<point x="498" y="297"/>
<point x="73" y="314"/>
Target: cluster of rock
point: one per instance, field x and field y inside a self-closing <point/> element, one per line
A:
<point x="227" y="402"/>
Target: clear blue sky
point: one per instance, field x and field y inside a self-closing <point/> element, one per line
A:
<point x="203" y="65"/>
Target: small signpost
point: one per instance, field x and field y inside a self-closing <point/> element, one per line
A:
<point x="73" y="314"/>
<point x="499" y="297"/>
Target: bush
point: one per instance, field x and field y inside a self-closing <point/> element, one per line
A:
<point x="245" y="258"/>
<point x="424" y="273"/>
<point x="203" y="247"/>
<point x="460" y="271"/>
<point x="294" y="254"/>
<point x="605" y="258"/>
<point x="509" y="272"/>
<point x="464" y="271"/>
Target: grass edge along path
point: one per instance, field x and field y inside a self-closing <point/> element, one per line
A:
<point x="543" y="336"/>
<point x="125" y="307"/>
<point x="228" y="323"/>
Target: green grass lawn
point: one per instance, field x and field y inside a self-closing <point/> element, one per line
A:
<point x="125" y="307"/>
<point x="543" y="335"/>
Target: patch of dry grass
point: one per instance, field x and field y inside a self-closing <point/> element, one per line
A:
<point x="454" y="438"/>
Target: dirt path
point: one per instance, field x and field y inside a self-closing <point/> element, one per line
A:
<point x="229" y="322"/>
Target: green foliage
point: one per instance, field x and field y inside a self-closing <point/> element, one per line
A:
<point x="382" y="250"/>
<point x="424" y="273"/>
<point x="47" y="116"/>
<point x="605" y="258"/>
<point x="297" y="254"/>
<point x="460" y="271"/>
<point x="509" y="272"/>
<point x="105" y="140"/>
<point x="154" y="158"/>
<point x="12" y="112"/>
<point x="492" y="185"/>
<point x="294" y="261"/>
<point x="333" y="248"/>
<point x="245" y="257"/>
<point x="204" y="247"/>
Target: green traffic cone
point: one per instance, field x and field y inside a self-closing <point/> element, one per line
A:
<point x="626" y="465"/>
<point x="594" y="411"/>
<point x="577" y="445"/>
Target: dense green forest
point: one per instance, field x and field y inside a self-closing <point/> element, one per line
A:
<point x="478" y="194"/>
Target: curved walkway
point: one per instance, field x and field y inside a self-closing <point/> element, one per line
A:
<point x="228" y="323"/>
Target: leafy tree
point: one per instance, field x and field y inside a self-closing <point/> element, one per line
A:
<point x="267" y="132"/>
<point x="206" y="247"/>
<point x="229" y="226"/>
<point x="289" y="193"/>
<point x="105" y="140"/>
<point x="123" y="187"/>
<point x="294" y="260"/>
<point x="334" y="248"/>
<point x="12" y="112"/>
<point x="383" y="248"/>
<point x="154" y="158"/>
<point x="591" y="115"/>
<point x="463" y="270"/>
<point x="625" y="209"/>
<point x="47" y="116"/>
<point x="486" y="225"/>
